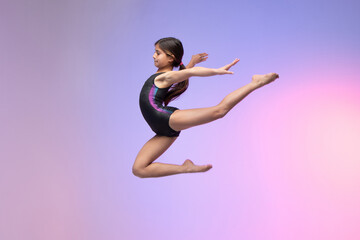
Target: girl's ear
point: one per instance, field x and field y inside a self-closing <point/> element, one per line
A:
<point x="171" y="59"/>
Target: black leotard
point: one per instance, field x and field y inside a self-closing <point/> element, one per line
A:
<point x="151" y="105"/>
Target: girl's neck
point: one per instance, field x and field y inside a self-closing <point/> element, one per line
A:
<point x="165" y="69"/>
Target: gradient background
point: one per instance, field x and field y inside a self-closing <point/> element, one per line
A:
<point x="286" y="159"/>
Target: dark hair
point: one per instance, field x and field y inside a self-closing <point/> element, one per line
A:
<point x="174" y="48"/>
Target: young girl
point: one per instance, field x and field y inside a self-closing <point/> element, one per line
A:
<point x="167" y="122"/>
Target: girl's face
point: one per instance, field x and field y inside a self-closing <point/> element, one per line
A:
<point x="161" y="60"/>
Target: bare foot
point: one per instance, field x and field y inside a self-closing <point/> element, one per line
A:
<point x="190" y="167"/>
<point x="261" y="80"/>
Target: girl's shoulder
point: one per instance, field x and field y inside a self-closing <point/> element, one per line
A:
<point x="155" y="75"/>
<point x="159" y="81"/>
<point x="158" y="73"/>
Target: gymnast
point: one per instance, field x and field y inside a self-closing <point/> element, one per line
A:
<point x="167" y="122"/>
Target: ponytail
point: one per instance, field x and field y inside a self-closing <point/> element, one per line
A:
<point x="177" y="89"/>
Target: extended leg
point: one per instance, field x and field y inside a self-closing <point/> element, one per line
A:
<point x="183" y="119"/>
<point x="144" y="165"/>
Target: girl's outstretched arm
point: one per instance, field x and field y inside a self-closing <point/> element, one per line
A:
<point x="172" y="77"/>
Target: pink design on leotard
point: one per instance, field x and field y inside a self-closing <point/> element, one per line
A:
<point x="152" y="95"/>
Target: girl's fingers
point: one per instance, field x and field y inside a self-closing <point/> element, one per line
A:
<point x="202" y="56"/>
<point x="235" y="61"/>
<point x="227" y="67"/>
<point x="226" y="72"/>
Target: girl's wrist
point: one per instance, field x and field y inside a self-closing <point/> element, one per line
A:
<point x="191" y="64"/>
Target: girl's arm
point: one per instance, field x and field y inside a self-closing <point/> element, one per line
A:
<point x="172" y="77"/>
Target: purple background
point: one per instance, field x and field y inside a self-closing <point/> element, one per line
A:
<point x="286" y="159"/>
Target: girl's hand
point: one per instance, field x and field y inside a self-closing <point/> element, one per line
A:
<point x="225" y="69"/>
<point x="198" y="58"/>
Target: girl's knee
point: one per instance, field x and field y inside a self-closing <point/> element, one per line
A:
<point x="139" y="171"/>
<point x="220" y="111"/>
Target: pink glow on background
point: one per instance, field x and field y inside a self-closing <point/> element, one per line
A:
<point x="286" y="160"/>
<point x="308" y="158"/>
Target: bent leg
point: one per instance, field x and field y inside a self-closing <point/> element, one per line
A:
<point x="153" y="149"/>
<point x="183" y="119"/>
